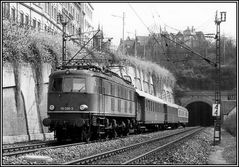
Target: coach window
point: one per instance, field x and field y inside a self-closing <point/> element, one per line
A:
<point x="119" y="105"/>
<point x="126" y="94"/>
<point x="146" y="105"/>
<point x="106" y="86"/>
<point x="96" y="85"/>
<point x="130" y="107"/>
<point x="153" y="106"/>
<point x="119" y="91"/>
<point x="112" y="89"/>
<point x="112" y="104"/>
<point x="126" y="106"/>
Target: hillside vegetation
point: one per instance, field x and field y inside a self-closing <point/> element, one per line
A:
<point x="25" y="45"/>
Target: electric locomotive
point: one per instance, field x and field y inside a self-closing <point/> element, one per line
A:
<point x="89" y="103"/>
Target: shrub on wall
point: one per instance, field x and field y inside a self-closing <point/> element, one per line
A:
<point x="230" y="124"/>
<point x="24" y="45"/>
<point x="156" y="70"/>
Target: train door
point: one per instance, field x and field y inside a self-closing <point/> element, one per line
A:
<point x="165" y="108"/>
<point x="140" y="109"/>
<point x="102" y="97"/>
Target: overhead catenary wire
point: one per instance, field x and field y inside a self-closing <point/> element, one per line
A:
<point x="82" y="47"/>
<point x="149" y="31"/>
<point x="191" y="51"/>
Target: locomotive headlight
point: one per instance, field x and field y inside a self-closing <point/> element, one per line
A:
<point x="83" y="107"/>
<point x="67" y="72"/>
<point x="51" y="107"/>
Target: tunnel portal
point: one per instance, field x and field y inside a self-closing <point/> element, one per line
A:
<point x="200" y="114"/>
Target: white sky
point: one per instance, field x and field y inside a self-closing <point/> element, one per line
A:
<point x="175" y="15"/>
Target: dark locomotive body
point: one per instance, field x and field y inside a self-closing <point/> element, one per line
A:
<point x="86" y="104"/>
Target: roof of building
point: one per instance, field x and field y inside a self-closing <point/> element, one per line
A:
<point x="142" y="39"/>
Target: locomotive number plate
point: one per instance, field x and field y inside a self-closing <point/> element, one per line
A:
<point x="67" y="108"/>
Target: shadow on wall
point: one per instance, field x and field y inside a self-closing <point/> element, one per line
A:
<point x="23" y="108"/>
<point x="230" y="122"/>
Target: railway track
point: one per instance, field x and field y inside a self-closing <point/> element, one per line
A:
<point x="9" y="151"/>
<point x="19" y="150"/>
<point x="35" y="147"/>
<point x="133" y="153"/>
<point x="141" y="158"/>
<point x="29" y="148"/>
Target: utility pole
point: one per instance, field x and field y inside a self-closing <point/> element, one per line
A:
<point x="123" y="31"/>
<point x="123" y="18"/>
<point x="135" y="47"/>
<point x="217" y="105"/>
<point x="63" y="22"/>
<point x="224" y="61"/>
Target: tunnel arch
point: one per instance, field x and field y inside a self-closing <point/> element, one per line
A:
<point x="200" y="113"/>
<point x="196" y="99"/>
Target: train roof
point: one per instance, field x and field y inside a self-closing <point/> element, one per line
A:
<point x="154" y="98"/>
<point x="107" y="75"/>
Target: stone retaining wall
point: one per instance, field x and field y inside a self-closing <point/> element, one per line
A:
<point x="24" y="107"/>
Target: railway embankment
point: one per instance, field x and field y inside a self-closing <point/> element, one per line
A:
<point x="197" y="150"/>
<point x="226" y="151"/>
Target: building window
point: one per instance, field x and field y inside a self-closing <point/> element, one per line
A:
<point x="52" y="11"/>
<point x="39" y="25"/>
<point x="21" y="19"/>
<point x="49" y="9"/>
<point x="46" y="7"/>
<point x="112" y="104"/>
<point x="13" y="14"/>
<point x="34" y="23"/>
<point x="6" y="10"/>
<point x="55" y="14"/>
<point x="26" y="20"/>
<point x="68" y="6"/>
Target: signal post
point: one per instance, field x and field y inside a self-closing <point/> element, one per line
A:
<point x="216" y="107"/>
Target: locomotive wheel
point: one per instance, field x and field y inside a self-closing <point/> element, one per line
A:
<point x="85" y="134"/>
<point x="114" y="133"/>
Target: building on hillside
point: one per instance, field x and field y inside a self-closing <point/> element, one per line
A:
<point x="43" y="16"/>
<point x="150" y="47"/>
<point x="88" y="22"/>
<point x="191" y="38"/>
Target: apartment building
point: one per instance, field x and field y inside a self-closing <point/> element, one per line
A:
<point x="44" y="16"/>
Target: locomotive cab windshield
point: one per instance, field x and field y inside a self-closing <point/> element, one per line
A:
<point x="68" y="84"/>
